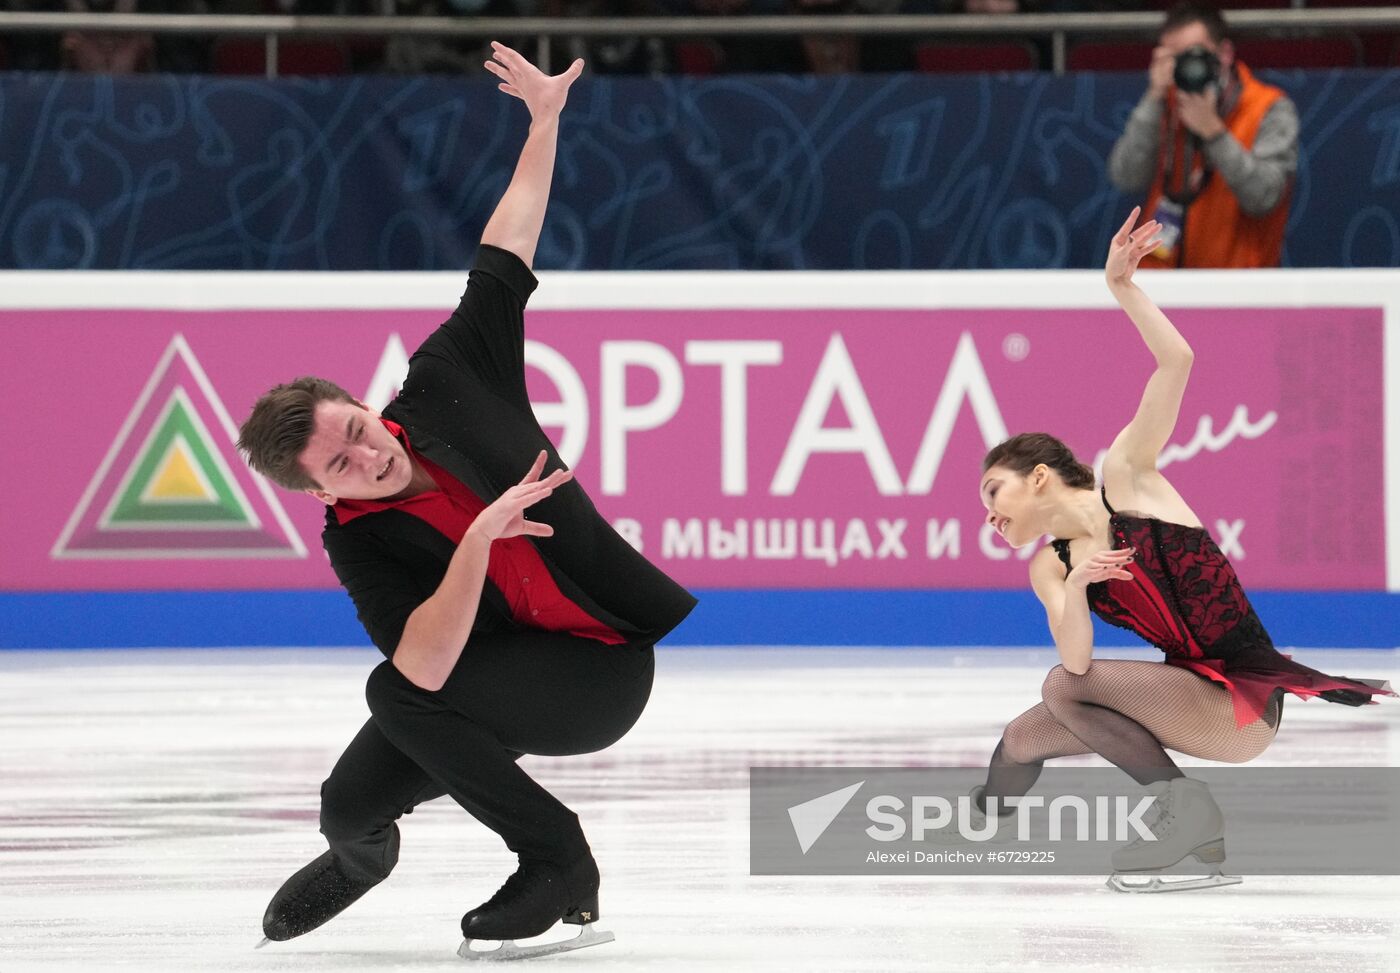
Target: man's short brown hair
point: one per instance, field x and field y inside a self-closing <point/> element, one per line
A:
<point x="1206" y="14"/>
<point x="274" y="436"/>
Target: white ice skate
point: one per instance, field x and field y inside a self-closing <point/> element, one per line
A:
<point x="996" y="830"/>
<point x="1187" y="822"/>
<point x="501" y="951"/>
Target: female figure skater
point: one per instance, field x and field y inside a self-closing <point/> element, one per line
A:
<point x="1134" y="553"/>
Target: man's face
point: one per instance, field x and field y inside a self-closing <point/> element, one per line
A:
<point x="353" y="456"/>
<point x="1193" y="35"/>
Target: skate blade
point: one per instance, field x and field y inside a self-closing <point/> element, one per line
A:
<point x="1155" y="883"/>
<point x="508" y="950"/>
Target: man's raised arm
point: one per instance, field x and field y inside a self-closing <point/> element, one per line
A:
<point x="515" y="225"/>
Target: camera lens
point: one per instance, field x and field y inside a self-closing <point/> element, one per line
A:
<point x="1196" y="69"/>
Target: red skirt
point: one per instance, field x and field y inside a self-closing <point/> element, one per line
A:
<point x="1251" y="688"/>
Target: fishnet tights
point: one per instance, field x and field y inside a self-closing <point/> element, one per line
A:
<point x="1126" y="711"/>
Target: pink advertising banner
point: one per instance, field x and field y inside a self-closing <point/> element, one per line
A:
<point x="737" y="448"/>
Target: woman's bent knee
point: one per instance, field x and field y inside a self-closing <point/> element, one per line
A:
<point x="1017" y="743"/>
<point x="1060" y="685"/>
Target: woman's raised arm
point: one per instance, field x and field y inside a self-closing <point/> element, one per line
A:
<point x="1142" y="439"/>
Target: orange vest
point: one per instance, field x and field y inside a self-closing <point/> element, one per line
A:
<point x="1216" y="232"/>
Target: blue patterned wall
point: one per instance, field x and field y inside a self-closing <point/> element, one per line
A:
<point x="762" y="172"/>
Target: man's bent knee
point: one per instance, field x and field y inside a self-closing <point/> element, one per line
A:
<point x="347" y="812"/>
<point x="384" y="687"/>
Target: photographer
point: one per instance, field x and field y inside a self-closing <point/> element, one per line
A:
<point x="1214" y="148"/>
<point x="106" y="53"/>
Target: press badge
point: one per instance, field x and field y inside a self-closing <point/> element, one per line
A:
<point x="1171" y="216"/>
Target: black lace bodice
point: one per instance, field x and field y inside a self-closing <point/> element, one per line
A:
<point x="1184" y="597"/>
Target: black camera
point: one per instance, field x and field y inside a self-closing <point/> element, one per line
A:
<point x="1196" y="70"/>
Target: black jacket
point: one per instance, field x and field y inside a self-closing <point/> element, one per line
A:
<point x="464" y="407"/>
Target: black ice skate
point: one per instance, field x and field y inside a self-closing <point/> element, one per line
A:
<point x="528" y="904"/>
<point x="311" y="897"/>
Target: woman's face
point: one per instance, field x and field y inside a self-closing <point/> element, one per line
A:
<point x="1011" y="505"/>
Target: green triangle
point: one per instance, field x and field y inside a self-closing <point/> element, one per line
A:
<point x="132" y="507"/>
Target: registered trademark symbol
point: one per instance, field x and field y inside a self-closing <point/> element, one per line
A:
<point x="1016" y="347"/>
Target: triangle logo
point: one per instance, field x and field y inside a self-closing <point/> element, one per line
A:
<point x="810" y="819"/>
<point x="177" y="479"/>
<point x="172" y="485"/>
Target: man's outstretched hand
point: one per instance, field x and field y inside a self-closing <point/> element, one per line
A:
<point x="505" y="517"/>
<point x="542" y="93"/>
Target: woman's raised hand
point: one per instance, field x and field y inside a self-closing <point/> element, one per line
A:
<point x="1129" y="246"/>
<point x="506" y="516"/>
<point x="1101" y="567"/>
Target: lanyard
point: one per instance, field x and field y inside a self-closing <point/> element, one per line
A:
<point x="1187" y="192"/>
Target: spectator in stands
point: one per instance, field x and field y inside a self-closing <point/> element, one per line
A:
<point x="297" y="54"/>
<point x="423" y="54"/>
<point x="812" y="53"/>
<point x="1038" y="6"/>
<point x="297" y="8"/>
<point x="416" y="54"/>
<point x="180" y="53"/>
<point x="809" y="53"/>
<point x="1017" y="6"/>
<point x="31" y="51"/>
<point x="713" y="55"/>
<point x="848" y="53"/>
<point x="1214" y="148"/>
<point x="105" y="53"/>
<point x="828" y="53"/>
<point x="629" y="54"/>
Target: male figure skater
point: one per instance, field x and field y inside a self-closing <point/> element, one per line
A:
<point x="504" y="635"/>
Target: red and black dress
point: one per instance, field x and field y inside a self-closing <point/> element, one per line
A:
<point x="1186" y="600"/>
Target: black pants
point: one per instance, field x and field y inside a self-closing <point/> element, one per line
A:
<point x="528" y="692"/>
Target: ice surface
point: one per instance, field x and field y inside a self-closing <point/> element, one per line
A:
<point x="151" y="802"/>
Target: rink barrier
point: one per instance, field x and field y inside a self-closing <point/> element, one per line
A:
<point x="97" y="561"/>
<point x="733" y="385"/>
<point x="806" y="617"/>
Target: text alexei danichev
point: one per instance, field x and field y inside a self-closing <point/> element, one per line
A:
<point x="915" y="857"/>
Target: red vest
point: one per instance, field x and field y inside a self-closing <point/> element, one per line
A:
<point x="513" y="565"/>
<point x="1217" y="232"/>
